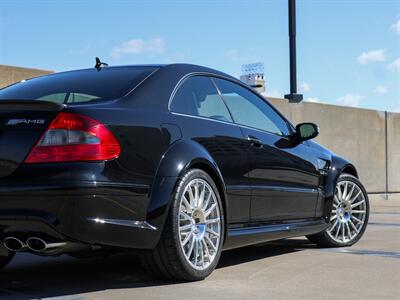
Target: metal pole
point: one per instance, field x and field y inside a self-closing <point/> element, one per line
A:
<point x="386" y="157"/>
<point x="293" y="97"/>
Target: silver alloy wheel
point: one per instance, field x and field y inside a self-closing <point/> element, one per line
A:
<point x="199" y="224"/>
<point x="348" y="213"/>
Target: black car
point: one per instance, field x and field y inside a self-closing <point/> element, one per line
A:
<point x="177" y="162"/>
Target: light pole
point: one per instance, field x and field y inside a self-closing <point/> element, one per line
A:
<point x="293" y="97"/>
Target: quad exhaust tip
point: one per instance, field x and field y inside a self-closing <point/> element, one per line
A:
<point x="34" y="244"/>
<point x="39" y="245"/>
<point x="13" y="244"/>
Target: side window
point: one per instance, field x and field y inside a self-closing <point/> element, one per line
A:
<point x="198" y="96"/>
<point x="79" y="98"/>
<point x="250" y="110"/>
<point x="58" y="98"/>
<point x="68" y="98"/>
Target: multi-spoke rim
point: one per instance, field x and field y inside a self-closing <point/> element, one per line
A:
<point x="348" y="213"/>
<point x="199" y="224"/>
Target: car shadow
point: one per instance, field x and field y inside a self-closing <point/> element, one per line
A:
<point x="261" y="251"/>
<point x="30" y="276"/>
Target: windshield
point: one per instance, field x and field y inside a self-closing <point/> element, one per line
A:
<point x="78" y="86"/>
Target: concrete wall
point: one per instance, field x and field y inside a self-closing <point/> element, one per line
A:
<point x="393" y="140"/>
<point x="10" y="74"/>
<point x="369" y="138"/>
<point x="358" y="135"/>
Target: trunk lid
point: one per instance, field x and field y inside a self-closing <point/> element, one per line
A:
<point x="22" y="123"/>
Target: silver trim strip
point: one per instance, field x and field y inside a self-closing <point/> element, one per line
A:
<point x="235" y="81"/>
<point x="177" y="86"/>
<point x="229" y="123"/>
<point x="128" y="223"/>
<point x="136" y="86"/>
<point x="284" y="189"/>
<point x="204" y="118"/>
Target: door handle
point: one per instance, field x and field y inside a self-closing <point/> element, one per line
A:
<point x="255" y="142"/>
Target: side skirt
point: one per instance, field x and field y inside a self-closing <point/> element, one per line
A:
<point x="240" y="237"/>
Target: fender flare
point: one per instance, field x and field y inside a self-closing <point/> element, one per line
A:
<point x="339" y="166"/>
<point x="180" y="157"/>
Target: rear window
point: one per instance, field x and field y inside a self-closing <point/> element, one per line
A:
<point x="79" y="86"/>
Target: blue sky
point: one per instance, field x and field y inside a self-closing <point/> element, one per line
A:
<point x="348" y="51"/>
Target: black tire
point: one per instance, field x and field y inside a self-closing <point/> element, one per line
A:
<point x="167" y="260"/>
<point x="5" y="257"/>
<point x="323" y="239"/>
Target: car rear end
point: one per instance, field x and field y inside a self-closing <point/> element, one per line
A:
<point x="59" y="187"/>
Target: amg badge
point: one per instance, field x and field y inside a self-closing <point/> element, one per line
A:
<point x="25" y="121"/>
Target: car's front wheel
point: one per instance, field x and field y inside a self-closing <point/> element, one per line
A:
<point x="191" y="244"/>
<point x="349" y="215"/>
<point x="5" y="257"/>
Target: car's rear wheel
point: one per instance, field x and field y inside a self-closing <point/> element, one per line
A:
<point x="349" y="215"/>
<point x="5" y="257"/>
<point x="191" y="244"/>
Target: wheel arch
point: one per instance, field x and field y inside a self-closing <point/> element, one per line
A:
<point x="178" y="159"/>
<point x="349" y="169"/>
<point x="339" y="166"/>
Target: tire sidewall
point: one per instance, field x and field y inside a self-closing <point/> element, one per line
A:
<point x="347" y="177"/>
<point x="175" y="209"/>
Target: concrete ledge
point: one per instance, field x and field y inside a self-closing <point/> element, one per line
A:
<point x="368" y="138"/>
<point x="384" y="197"/>
<point x="11" y="74"/>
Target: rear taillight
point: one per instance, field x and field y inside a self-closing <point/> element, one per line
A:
<point x="71" y="137"/>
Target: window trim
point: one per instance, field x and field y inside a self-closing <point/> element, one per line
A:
<point x="203" y="118"/>
<point x="223" y="100"/>
<point x="288" y="124"/>
<point x="139" y="84"/>
<point x="181" y="82"/>
<point x="235" y="81"/>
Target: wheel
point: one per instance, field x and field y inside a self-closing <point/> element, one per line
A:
<point x="5" y="257"/>
<point x="191" y="243"/>
<point x="349" y="216"/>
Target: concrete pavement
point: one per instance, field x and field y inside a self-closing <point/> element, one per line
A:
<point x="291" y="269"/>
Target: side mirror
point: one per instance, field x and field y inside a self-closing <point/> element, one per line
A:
<point x="306" y="131"/>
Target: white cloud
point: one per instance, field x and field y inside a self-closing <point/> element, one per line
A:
<point x="305" y="87"/>
<point x="232" y="52"/>
<point x="245" y="55"/>
<point x="378" y="55"/>
<point x="381" y="89"/>
<point x="350" y="100"/>
<point x="395" y="65"/>
<point x="138" y="46"/>
<point x="312" y="99"/>
<point x="396" y="27"/>
<point x="233" y="55"/>
<point x="179" y="56"/>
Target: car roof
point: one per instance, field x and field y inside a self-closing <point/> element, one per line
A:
<point x="181" y="66"/>
<point x="156" y="90"/>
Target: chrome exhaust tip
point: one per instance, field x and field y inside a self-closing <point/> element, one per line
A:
<point x="36" y="244"/>
<point x="13" y="244"/>
<point x="39" y="245"/>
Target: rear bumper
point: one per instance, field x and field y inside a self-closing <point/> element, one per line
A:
<point x="97" y="213"/>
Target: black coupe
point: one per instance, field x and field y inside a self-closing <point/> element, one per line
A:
<point x="177" y="162"/>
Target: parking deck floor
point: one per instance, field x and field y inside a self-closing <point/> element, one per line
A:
<point x="289" y="269"/>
